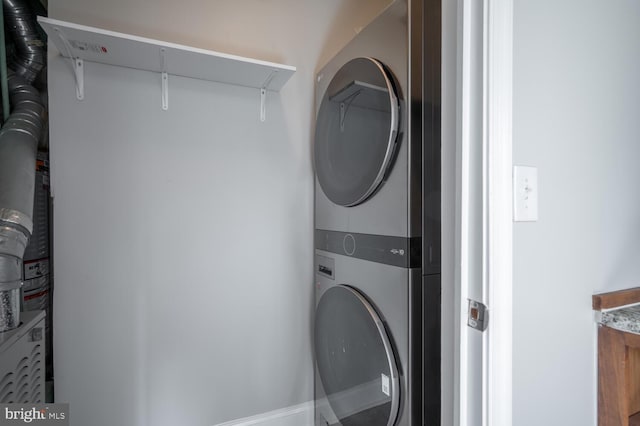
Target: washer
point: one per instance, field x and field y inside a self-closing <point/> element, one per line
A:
<point x="377" y="224"/>
<point x="376" y="346"/>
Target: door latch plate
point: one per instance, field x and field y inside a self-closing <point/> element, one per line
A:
<point x="477" y="315"/>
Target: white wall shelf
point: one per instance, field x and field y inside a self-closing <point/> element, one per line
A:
<point x="82" y="43"/>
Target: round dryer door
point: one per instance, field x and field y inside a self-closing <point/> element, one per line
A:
<point x="356" y="132"/>
<point x="355" y="360"/>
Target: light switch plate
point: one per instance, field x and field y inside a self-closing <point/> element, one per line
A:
<point x="525" y="194"/>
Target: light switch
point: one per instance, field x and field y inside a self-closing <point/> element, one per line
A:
<point x="525" y="194"/>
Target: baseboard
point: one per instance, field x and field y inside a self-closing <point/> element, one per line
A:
<point x="296" y="415"/>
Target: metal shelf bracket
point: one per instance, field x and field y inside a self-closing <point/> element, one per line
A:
<point x="165" y="79"/>
<point x="263" y="100"/>
<point x="263" y="95"/>
<point x="76" y="63"/>
<point x="78" y="70"/>
<point x="165" y="91"/>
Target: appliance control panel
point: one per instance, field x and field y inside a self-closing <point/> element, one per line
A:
<point x="325" y="266"/>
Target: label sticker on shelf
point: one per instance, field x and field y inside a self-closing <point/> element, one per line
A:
<point x="385" y="385"/>
<point x="87" y="47"/>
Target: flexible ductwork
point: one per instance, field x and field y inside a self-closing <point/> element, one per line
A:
<point x="21" y="28"/>
<point x="18" y="145"/>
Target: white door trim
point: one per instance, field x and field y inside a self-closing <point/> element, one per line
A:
<point x="498" y="94"/>
<point x="495" y="133"/>
<point x="463" y="136"/>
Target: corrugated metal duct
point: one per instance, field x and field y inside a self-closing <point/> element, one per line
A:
<point x="18" y="144"/>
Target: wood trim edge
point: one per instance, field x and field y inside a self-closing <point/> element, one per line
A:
<point x="615" y="299"/>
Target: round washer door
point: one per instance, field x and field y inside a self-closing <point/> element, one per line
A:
<point x="356" y="132"/>
<point x="355" y="360"/>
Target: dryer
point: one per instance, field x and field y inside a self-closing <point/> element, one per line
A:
<point x="377" y="220"/>
<point x="373" y="109"/>
<point x="362" y="141"/>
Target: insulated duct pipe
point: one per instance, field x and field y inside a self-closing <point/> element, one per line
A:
<point x="18" y="145"/>
<point x="3" y="69"/>
<point x="21" y="27"/>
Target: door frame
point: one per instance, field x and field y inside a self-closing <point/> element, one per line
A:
<point x="495" y="132"/>
<point x="499" y="202"/>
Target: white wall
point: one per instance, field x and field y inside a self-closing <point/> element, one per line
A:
<point x="183" y="253"/>
<point x="576" y="118"/>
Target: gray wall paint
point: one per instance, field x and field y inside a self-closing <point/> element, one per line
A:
<point x="576" y="112"/>
<point x="183" y="253"/>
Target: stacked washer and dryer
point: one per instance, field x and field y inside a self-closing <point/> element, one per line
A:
<point x="377" y="219"/>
